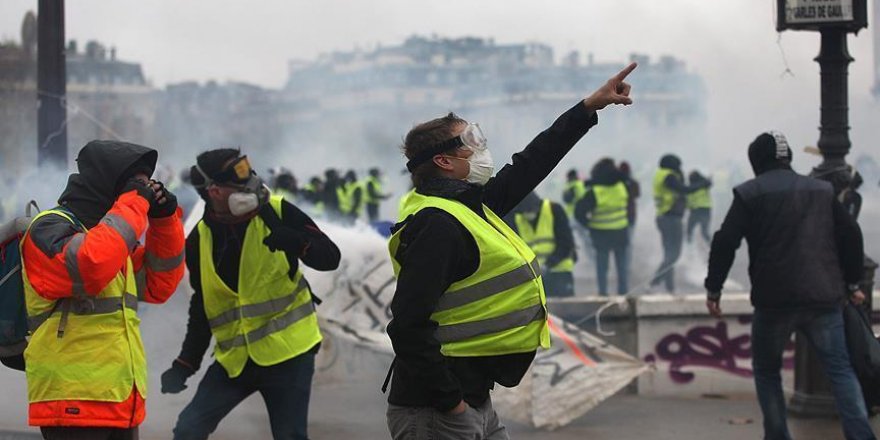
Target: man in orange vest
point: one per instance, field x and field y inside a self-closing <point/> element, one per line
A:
<point x="84" y="273"/>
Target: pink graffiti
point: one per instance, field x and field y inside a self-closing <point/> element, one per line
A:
<point x="709" y="347"/>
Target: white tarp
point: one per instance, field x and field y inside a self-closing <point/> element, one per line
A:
<point x="575" y="375"/>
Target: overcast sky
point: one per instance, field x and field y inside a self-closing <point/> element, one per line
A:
<point x="732" y="44"/>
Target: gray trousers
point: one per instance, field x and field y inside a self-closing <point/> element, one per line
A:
<point x="426" y="423"/>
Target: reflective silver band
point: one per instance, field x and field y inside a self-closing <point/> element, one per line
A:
<point x="157" y="264"/>
<point x="487" y="288"/>
<point x="273" y="326"/>
<point x="250" y="310"/>
<point x="88" y="306"/>
<point x="541" y="241"/>
<point x="467" y="330"/>
<point x="118" y="224"/>
<point x="140" y="279"/>
<point x="72" y="264"/>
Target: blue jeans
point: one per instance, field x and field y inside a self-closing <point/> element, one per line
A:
<point x="285" y="388"/>
<point x="771" y="329"/>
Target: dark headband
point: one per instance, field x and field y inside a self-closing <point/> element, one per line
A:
<point x="432" y="151"/>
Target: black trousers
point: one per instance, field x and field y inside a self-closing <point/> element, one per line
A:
<point x="77" y="433"/>
<point x="671" y="236"/>
<point x="373" y="212"/>
<point x="701" y="217"/>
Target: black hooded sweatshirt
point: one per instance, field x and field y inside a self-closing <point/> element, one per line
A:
<point x="104" y="167"/>
<point x="436" y="250"/>
<point x="803" y="245"/>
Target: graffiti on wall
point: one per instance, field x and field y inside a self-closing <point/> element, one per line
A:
<point x="707" y="346"/>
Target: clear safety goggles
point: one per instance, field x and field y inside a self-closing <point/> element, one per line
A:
<point x="472" y="138"/>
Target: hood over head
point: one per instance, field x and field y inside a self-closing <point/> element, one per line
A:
<point x="670" y="162"/>
<point x="769" y="151"/>
<point x="605" y="172"/>
<point x="104" y="167"/>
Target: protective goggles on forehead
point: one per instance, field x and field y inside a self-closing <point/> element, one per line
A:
<point x="239" y="172"/>
<point x="471" y="138"/>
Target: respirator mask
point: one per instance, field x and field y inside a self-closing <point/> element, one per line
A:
<point x="250" y="190"/>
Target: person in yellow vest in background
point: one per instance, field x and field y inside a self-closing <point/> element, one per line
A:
<point x="670" y="192"/>
<point x="84" y="273"/>
<point x="469" y="307"/>
<point x="604" y="211"/>
<point x="373" y="193"/>
<point x="249" y="293"/>
<point x="285" y="186"/>
<point x="575" y="190"/>
<point x="312" y="195"/>
<point x="544" y="226"/>
<point x="354" y="197"/>
<point x="699" y="205"/>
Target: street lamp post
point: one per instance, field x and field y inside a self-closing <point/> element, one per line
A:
<point x="834" y="19"/>
<point x="51" y="85"/>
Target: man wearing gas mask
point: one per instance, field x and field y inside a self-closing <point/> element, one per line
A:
<point x="250" y="295"/>
<point x="469" y="308"/>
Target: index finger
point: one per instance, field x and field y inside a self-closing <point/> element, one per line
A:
<point x="625" y="72"/>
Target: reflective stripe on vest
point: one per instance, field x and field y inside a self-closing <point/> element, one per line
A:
<point x="499" y="309"/>
<point x="580" y="190"/>
<point x="100" y="356"/>
<point x="699" y="199"/>
<point x="610" y="211"/>
<point x="541" y="238"/>
<point x="269" y="317"/>
<point x="664" y="198"/>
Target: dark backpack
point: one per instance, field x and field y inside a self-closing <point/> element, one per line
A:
<point x="864" y="352"/>
<point x="13" y="314"/>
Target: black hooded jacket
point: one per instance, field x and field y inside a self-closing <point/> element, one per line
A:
<point x="803" y="245"/>
<point x="104" y="167"/>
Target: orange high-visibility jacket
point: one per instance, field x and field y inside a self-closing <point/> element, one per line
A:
<point x="103" y="253"/>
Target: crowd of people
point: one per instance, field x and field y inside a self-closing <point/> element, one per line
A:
<point x="475" y="253"/>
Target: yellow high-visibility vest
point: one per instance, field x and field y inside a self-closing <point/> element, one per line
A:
<point x="610" y="211"/>
<point x="541" y="237"/>
<point x="664" y="198"/>
<point x="500" y="308"/>
<point x="580" y="190"/>
<point x="699" y="199"/>
<point x="269" y="317"/>
<point x="376" y="185"/>
<point x="100" y="355"/>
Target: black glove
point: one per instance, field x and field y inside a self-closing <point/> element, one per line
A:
<point x="143" y="190"/>
<point x="174" y="379"/>
<point x="287" y="240"/>
<point x="165" y="209"/>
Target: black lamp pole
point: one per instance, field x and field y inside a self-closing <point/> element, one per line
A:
<point x="51" y="85"/>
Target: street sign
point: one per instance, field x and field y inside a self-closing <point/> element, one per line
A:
<point x="850" y="15"/>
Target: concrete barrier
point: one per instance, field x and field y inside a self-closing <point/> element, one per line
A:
<point x="693" y="354"/>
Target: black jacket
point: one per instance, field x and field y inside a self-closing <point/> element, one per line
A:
<point x="803" y="245"/>
<point x="322" y="254"/>
<point x="675" y="182"/>
<point x="436" y="250"/>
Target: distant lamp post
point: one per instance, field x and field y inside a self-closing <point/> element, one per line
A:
<point x="833" y="19"/>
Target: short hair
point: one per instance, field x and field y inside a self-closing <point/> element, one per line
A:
<point x="426" y="135"/>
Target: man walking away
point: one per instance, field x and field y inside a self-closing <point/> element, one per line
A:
<point x="604" y="212"/>
<point x="699" y="205"/>
<point x="805" y="258"/>
<point x="669" y="199"/>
